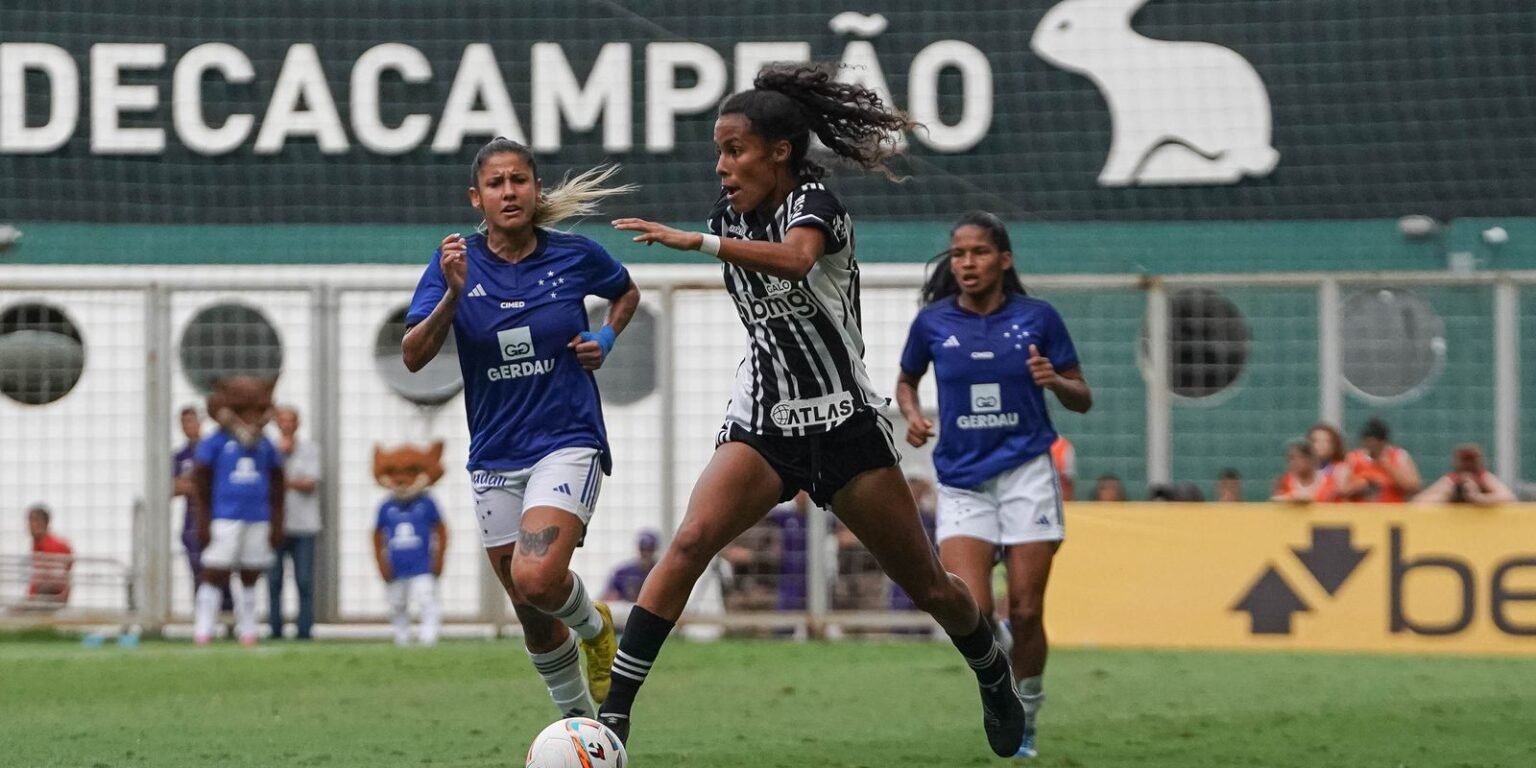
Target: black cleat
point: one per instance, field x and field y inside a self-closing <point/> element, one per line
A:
<point x="1002" y="713"/>
<point x="619" y="724"/>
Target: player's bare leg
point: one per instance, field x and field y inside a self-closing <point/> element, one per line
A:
<point x="541" y="571"/>
<point x="1029" y="567"/>
<point x="551" y="645"/>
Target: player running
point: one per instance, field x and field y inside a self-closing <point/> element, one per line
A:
<point x="995" y="352"/>
<point x="804" y="415"/>
<point x="512" y="296"/>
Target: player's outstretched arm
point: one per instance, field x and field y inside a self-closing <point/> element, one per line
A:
<point x="790" y="260"/>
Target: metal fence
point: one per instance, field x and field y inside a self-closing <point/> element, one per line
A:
<point x="1192" y="375"/>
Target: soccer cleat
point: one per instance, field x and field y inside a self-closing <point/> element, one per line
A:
<point x="248" y="641"/>
<point x="619" y="724"/>
<point x="1002" y="713"/>
<point x="1027" y="749"/>
<point x="200" y="640"/>
<point x="600" y="651"/>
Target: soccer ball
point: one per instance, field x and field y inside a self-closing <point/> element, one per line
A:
<point x="576" y="742"/>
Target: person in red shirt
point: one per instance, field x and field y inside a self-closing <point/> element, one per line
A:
<point x="49" y="585"/>
<point x="1468" y="482"/>
<point x="1064" y="456"/>
<point x="1379" y="470"/>
<point x="1302" y="482"/>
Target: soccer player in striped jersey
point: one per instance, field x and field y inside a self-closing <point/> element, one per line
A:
<point x="804" y="415"/>
<point x="512" y="297"/>
<point x="995" y="353"/>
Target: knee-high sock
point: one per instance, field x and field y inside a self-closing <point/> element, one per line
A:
<point x="643" y="637"/>
<point x="245" y="609"/>
<point x="579" y="613"/>
<point x="561" y="670"/>
<point x="206" y="609"/>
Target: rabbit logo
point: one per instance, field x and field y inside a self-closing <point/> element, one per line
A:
<point x="1184" y="113"/>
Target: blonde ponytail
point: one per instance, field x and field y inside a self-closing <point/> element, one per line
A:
<point x="577" y="196"/>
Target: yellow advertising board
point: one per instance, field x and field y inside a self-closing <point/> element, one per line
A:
<point x="1401" y="578"/>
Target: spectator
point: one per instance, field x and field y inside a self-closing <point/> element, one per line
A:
<point x="1108" y="488"/>
<point x="1229" y="486"/>
<point x="51" y="561"/>
<point x="1064" y="456"/>
<point x="301" y="525"/>
<point x="1328" y="446"/>
<point x="182" y="464"/>
<point x="790" y="547"/>
<point x="1379" y="470"/>
<point x="1468" y="482"/>
<point x="624" y="584"/>
<point x="1302" y="482"/>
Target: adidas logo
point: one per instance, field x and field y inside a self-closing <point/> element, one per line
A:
<point x="564" y="488"/>
<point x="1043" y="520"/>
<point x="478" y="290"/>
<point x="949" y="342"/>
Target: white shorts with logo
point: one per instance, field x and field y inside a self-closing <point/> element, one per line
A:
<point x="236" y="545"/>
<point x="1019" y="506"/>
<point x="567" y="479"/>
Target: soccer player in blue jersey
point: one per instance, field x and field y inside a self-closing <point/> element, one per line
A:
<point x="237" y="480"/>
<point x="995" y="352"/>
<point x="804" y="415"/>
<point x="512" y="297"/>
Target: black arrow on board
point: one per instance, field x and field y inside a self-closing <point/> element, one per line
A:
<point x="1332" y="556"/>
<point x="1269" y="603"/>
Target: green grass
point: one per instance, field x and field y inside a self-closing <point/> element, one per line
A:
<point x="754" y="705"/>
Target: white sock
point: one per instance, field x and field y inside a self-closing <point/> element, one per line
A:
<point x="431" y="611"/>
<point x="205" y="610"/>
<point x="579" y="613"/>
<point x="245" y="609"/>
<point x="400" y="611"/>
<point x="1032" y="691"/>
<point x="561" y="670"/>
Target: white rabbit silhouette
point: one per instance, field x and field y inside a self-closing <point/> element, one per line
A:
<point x="1183" y="113"/>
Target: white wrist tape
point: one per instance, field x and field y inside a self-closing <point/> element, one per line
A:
<point x="710" y="245"/>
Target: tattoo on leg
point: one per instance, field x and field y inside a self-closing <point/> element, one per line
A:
<point x="536" y="543"/>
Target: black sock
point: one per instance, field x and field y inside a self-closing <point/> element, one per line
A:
<point x="644" y="634"/>
<point x="982" y="653"/>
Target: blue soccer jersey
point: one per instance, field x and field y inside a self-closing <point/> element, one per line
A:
<point x="242" y="477"/>
<point x="525" y="394"/>
<point x="992" y="416"/>
<point x="408" y="527"/>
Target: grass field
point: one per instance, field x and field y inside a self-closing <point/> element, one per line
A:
<point x="744" y="704"/>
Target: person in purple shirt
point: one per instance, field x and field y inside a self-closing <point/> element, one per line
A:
<point x="181" y="482"/>
<point x="624" y="584"/>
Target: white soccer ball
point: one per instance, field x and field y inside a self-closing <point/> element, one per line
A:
<point x="577" y="742"/>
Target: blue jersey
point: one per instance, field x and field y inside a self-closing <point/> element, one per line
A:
<point x="242" y="477"/>
<point x="525" y="394"/>
<point x="408" y="528"/>
<point x="992" y="415"/>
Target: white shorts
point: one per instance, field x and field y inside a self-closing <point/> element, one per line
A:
<point x="420" y="591"/>
<point x="1019" y="506"/>
<point x="236" y="545"/>
<point x="567" y="479"/>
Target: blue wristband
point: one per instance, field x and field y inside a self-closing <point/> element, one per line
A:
<point x="604" y="338"/>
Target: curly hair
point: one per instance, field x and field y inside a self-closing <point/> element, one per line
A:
<point x="792" y="101"/>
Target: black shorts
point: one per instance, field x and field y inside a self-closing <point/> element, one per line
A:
<point x="821" y="464"/>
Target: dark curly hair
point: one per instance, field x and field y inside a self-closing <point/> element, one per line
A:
<point x="791" y="101"/>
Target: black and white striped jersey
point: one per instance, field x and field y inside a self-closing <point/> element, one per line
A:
<point x="804" y="368"/>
